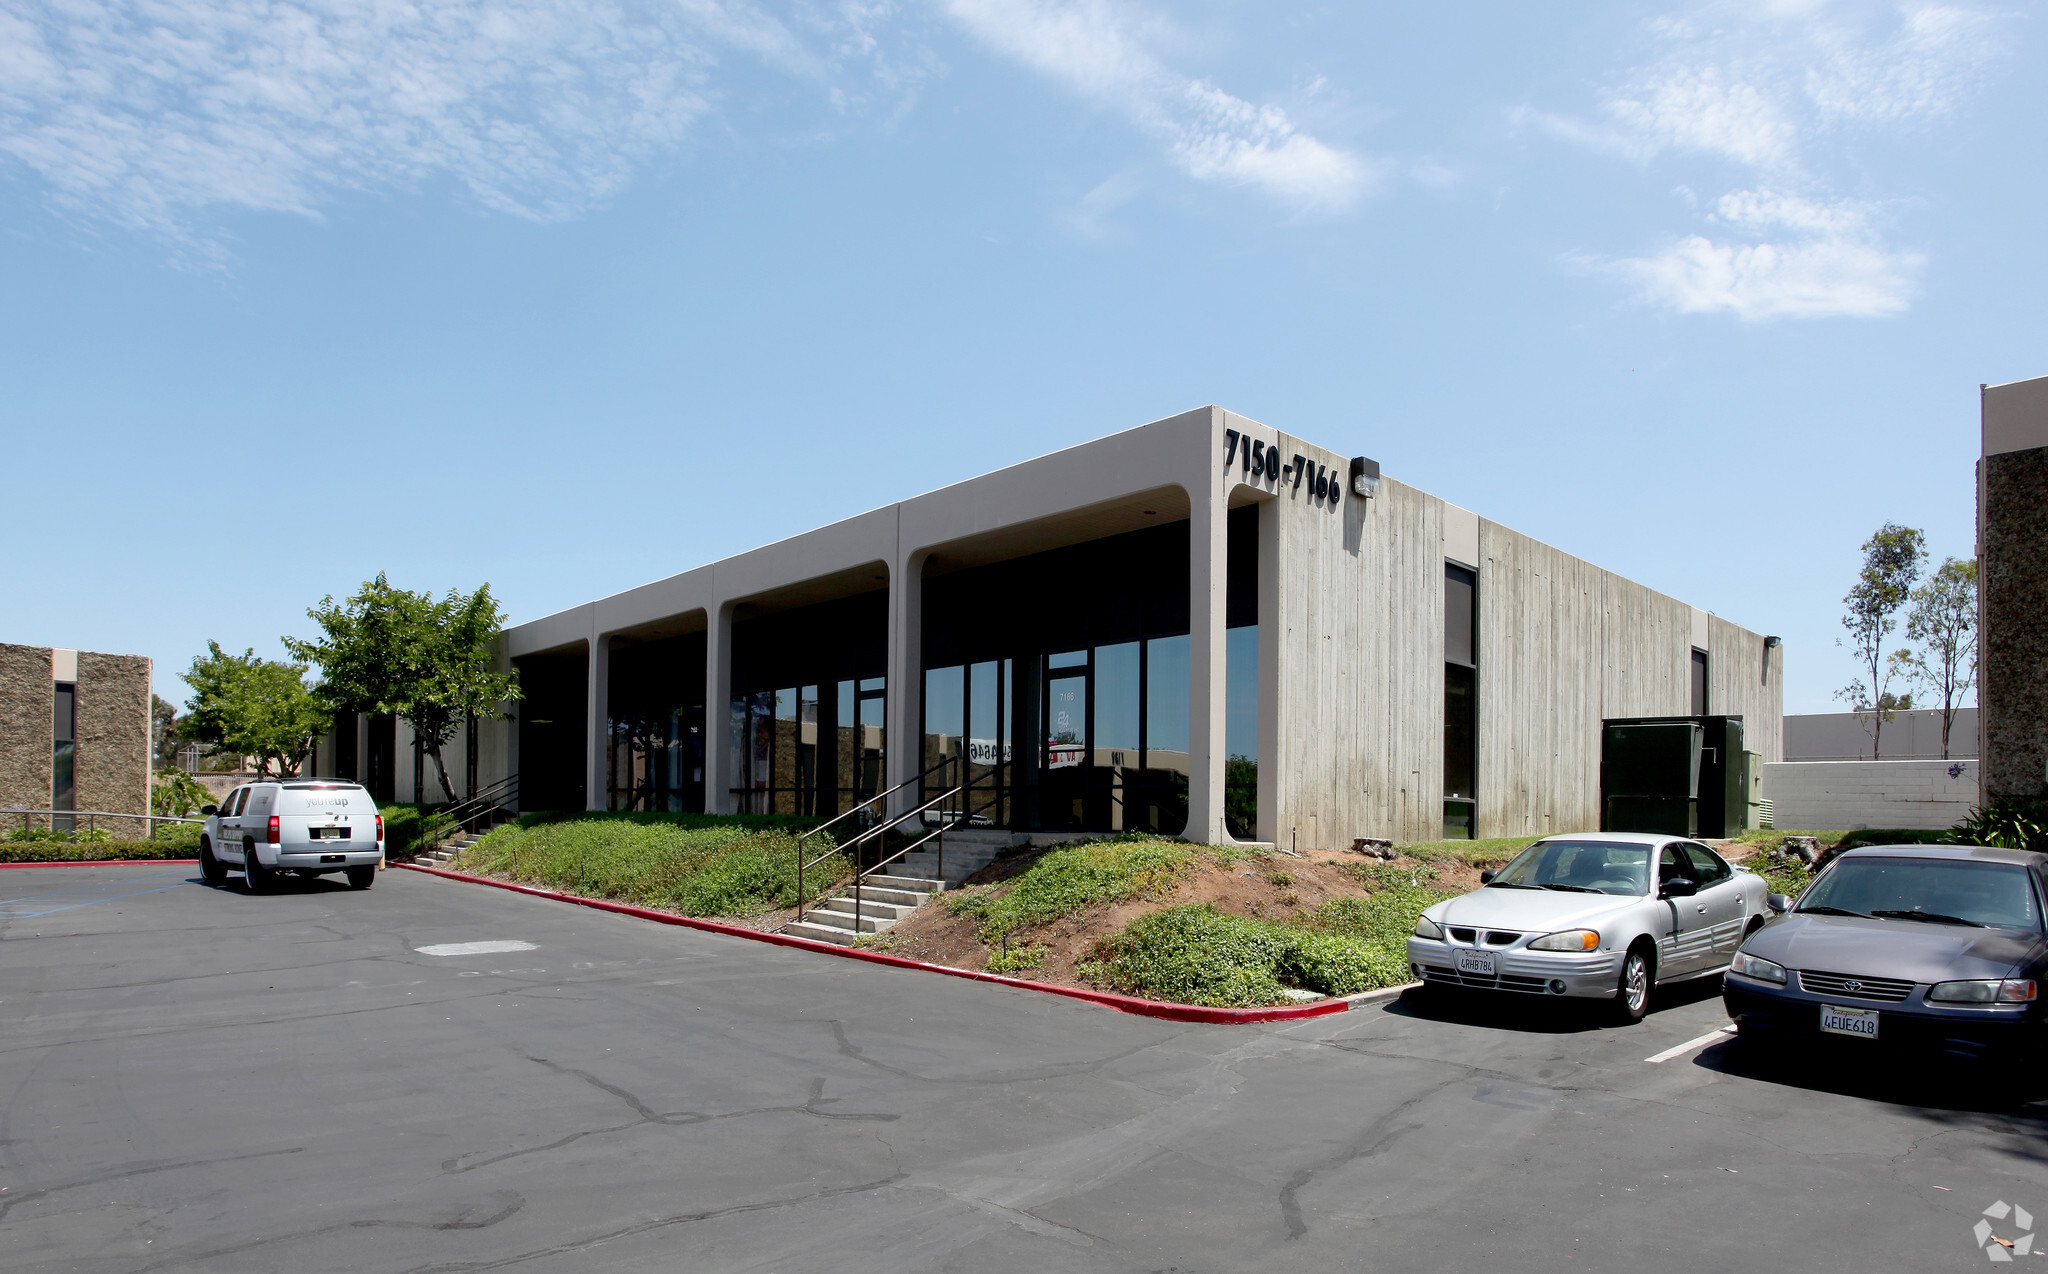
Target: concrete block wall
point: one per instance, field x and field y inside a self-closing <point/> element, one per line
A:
<point x="1847" y="795"/>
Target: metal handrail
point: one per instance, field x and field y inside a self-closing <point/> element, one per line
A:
<point x="436" y="824"/>
<point x="860" y="874"/>
<point x="918" y="778"/>
<point x="802" y="866"/>
<point x="89" y="815"/>
<point x="863" y="807"/>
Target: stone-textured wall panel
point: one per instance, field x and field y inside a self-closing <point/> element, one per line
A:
<point x="27" y="709"/>
<point x="2013" y="574"/>
<point x="113" y="737"/>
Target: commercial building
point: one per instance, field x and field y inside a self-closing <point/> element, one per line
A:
<point x="74" y="736"/>
<point x="1913" y="734"/>
<point x="1202" y="626"/>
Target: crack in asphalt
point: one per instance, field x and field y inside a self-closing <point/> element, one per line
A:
<point x="658" y="1223"/>
<point x="9" y="1203"/>
<point x="1375" y="1137"/>
<point x="674" y="1118"/>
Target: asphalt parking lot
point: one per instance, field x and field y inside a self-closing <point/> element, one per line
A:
<point x="197" y="1079"/>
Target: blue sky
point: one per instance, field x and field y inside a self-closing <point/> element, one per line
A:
<point x="568" y="296"/>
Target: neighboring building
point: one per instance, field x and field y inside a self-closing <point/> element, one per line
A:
<point x="2012" y="574"/>
<point x="1198" y="626"/>
<point x="74" y="736"/>
<point x="1911" y="735"/>
<point x="1829" y="781"/>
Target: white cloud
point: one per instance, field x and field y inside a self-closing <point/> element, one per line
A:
<point x="1103" y="51"/>
<point x="159" y="115"/>
<point x="1806" y="260"/>
<point x="1754" y="83"/>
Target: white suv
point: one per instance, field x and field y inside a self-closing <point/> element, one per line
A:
<point x="310" y="826"/>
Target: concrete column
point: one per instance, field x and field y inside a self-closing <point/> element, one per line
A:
<point x="596" y="727"/>
<point x="903" y="733"/>
<point x="718" y="710"/>
<point x="1208" y="569"/>
<point x="1278" y="803"/>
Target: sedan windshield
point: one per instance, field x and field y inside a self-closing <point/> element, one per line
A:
<point x="1575" y="866"/>
<point x="1930" y="890"/>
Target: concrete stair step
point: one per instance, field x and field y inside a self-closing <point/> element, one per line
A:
<point x="871" y="892"/>
<point x="913" y="884"/>
<point x="823" y="933"/>
<point x="847" y="921"/>
<point x="843" y="905"/>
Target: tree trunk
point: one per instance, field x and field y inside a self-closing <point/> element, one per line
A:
<point x="441" y="771"/>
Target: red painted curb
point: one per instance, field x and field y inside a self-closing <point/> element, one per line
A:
<point x="1123" y="1003"/>
<point x="107" y="862"/>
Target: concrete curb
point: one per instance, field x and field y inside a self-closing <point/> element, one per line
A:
<point x="1123" y="1003"/>
<point x="107" y="862"/>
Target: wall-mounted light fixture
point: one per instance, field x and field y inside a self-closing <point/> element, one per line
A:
<point x="1771" y="643"/>
<point x="1365" y="476"/>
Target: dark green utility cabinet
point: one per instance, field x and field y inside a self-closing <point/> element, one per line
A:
<point x="1679" y="776"/>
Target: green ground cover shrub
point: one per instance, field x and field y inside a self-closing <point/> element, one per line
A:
<point x="1199" y="955"/>
<point x="699" y="865"/>
<point x="1068" y="879"/>
<point x="1493" y="852"/>
<point x="41" y="846"/>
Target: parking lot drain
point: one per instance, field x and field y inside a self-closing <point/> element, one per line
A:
<point x="474" y="948"/>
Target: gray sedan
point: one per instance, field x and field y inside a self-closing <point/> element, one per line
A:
<point x="1598" y="915"/>
<point x="1937" y="949"/>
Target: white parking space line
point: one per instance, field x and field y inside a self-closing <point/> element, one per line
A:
<point x="1687" y="1047"/>
<point x="475" y="948"/>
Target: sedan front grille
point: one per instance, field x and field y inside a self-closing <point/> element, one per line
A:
<point x="1500" y="938"/>
<point x="1467" y="936"/>
<point x="1888" y="990"/>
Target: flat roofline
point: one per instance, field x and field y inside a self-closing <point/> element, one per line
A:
<point x="571" y="626"/>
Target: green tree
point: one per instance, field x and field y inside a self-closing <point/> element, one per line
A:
<point x="177" y="794"/>
<point x="433" y="662"/>
<point x="253" y="707"/>
<point x="163" y="732"/>
<point x="1943" y="621"/>
<point x="1891" y="563"/>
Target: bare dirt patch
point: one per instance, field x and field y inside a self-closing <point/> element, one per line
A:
<point x="1275" y="887"/>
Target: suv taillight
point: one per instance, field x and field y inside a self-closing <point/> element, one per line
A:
<point x="380" y="829"/>
<point x="273" y="835"/>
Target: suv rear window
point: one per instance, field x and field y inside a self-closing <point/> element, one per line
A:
<point x="324" y="798"/>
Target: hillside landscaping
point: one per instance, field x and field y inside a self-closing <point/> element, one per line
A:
<point x="739" y="868"/>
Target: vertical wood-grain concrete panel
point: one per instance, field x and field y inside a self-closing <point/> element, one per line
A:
<point x="1541" y="617"/>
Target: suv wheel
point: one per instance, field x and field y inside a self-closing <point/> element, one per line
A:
<point x="362" y="877"/>
<point x="256" y="878"/>
<point x="211" y="870"/>
<point x="1632" y="989"/>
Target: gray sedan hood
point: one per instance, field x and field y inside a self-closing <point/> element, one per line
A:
<point x="1908" y="949"/>
<point x="1540" y="910"/>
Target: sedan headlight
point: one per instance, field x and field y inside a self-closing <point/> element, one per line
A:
<point x="1986" y="991"/>
<point x="1568" y="940"/>
<point x="1759" y="968"/>
<point x="1427" y="928"/>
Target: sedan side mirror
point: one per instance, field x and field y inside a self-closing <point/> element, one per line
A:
<point x="1677" y="887"/>
<point x="208" y="811"/>
<point x="1778" y="903"/>
<point x="1486" y="877"/>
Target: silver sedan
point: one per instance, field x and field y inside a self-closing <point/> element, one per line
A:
<point x="1598" y="915"/>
